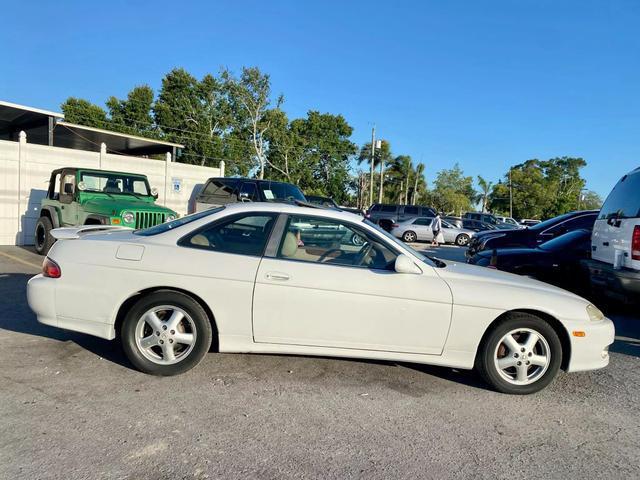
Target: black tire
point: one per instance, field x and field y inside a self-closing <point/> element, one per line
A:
<point x="43" y="239"/>
<point x="203" y="332"/>
<point x="409" y="236"/>
<point x="462" y="240"/>
<point x="492" y="343"/>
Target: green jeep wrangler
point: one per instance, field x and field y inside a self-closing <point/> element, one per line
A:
<point x="78" y="196"/>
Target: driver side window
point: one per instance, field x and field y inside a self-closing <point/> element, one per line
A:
<point x="327" y="241"/>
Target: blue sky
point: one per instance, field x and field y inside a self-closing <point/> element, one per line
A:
<point x="485" y="84"/>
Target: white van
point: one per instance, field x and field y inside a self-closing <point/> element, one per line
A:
<point x="615" y="243"/>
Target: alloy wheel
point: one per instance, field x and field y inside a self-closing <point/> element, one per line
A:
<point x="165" y="334"/>
<point x="522" y="356"/>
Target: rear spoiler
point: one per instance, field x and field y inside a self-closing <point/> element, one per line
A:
<point x="69" y="233"/>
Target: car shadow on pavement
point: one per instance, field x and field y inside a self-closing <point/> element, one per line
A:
<point x="16" y="316"/>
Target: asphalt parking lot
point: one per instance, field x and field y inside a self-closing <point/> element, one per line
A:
<point x="72" y="407"/>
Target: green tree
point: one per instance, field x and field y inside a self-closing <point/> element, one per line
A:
<point x="401" y="171"/>
<point x="453" y="191"/>
<point x="541" y="188"/>
<point x="250" y="100"/>
<point x="590" y="200"/>
<point x="135" y="114"/>
<point x="83" y="112"/>
<point x="419" y="183"/>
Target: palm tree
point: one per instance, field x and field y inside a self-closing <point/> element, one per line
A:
<point x="485" y="190"/>
<point x="382" y="155"/>
<point x="419" y="175"/>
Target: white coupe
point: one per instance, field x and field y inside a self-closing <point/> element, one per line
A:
<point x="279" y="278"/>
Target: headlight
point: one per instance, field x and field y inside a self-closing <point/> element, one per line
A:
<point x="171" y="217"/>
<point x="595" y="315"/>
<point x="128" y="217"/>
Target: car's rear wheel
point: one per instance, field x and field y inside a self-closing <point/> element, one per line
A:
<point x="462" y="240"/>
<point x="520" y="355"/>
<point x="43" y="239"/>
<point x="409" y="236"/>
<point x="166" y="333"/>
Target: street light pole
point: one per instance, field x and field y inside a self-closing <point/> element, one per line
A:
<point x="373" y="154"/>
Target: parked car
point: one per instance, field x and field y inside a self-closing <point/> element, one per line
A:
<point x="82" y="196"/>
<point x="387" y="214"/>
<point x="509" y="221"/>
<point x="237" y="277"/>
<point x="455" y="221"/>
<point x="481" y="217"/>
<point x="535" y="235"/>
<point x="419" y="230"/>
<point x="222" y="191"/>
<point x="557" y="261"/>
<point x="330" y="203"/>
<point x="477" y="225"/>
<point x="615" y="258"/>
<point x="527" y="222"/>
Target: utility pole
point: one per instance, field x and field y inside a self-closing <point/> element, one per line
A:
<point x="510" y="195"/>
<point x="381" y="179"/>
<point x="373" y="156"/>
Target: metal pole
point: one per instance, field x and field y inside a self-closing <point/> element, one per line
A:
<point x="381" y="179"/>
<point x="510" y="195"/>
<point x="373" y="154"/>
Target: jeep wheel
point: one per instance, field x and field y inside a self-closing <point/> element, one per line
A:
<point x="43" y="238"/>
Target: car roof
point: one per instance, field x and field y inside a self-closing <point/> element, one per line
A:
<point x="290" y="208"/>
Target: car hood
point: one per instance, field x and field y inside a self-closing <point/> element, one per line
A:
<point x="481" y="286"/>
<point x="111" y="206"/>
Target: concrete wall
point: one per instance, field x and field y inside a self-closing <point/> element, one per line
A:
<point x="25" y="170"/>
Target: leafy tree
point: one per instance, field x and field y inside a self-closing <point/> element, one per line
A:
<point x="83" y="112"/>
<point x="401" y="170"/>
<point x="590" y="200"/>
<point x="453" y="191"/>
<point x="134" y="115"/>
<point x="250" y="99"/>
<point x="541" y="188"/>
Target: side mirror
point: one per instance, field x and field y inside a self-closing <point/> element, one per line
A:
<point x="405" y="265"/>
<point x="154" y="192"/>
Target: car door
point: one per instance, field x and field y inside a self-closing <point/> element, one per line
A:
<point x="422" y="227"/>
<point x="345" y="295"/>
<point x="68" y="208"/>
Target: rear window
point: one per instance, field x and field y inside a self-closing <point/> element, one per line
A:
<point x="219" y="188"/>
<point x="624" y="199"/>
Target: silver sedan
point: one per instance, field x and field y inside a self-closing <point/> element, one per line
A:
<point x="419" y="229"/>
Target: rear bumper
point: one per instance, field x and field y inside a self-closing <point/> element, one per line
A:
<point x="604" y="278"/>
<point x="591" y="352"/>
<point x="41" y="296"/>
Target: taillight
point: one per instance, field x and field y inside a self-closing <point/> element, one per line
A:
<point x="635" y="243"/>
<point x="51" y="269"/>
<point x="394" y="225"/>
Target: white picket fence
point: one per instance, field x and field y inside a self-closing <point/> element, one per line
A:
<point x="25" y="170"/>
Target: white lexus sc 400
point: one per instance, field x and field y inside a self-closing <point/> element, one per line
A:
<point x="279" y="278"/>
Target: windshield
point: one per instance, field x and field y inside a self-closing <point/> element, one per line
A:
<point x="566" y="241"/>
<point x="421" y="256"/>
<point x="118" y="183"/>
<point x="274" y="191"/>
<point x="179" y="222"/>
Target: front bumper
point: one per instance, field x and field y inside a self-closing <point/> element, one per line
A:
<point x="605" y="279"/>
<point x="590" y="352"/>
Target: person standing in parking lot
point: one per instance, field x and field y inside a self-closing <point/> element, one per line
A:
<point x="436" y="229"/>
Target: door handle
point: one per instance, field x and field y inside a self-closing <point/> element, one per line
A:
<point x="278" y="276"/>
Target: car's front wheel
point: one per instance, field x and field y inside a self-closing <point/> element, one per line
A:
<point x="166" y="333"/>
<point x="520" y="355"/>
<point x="409" y="236"/>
